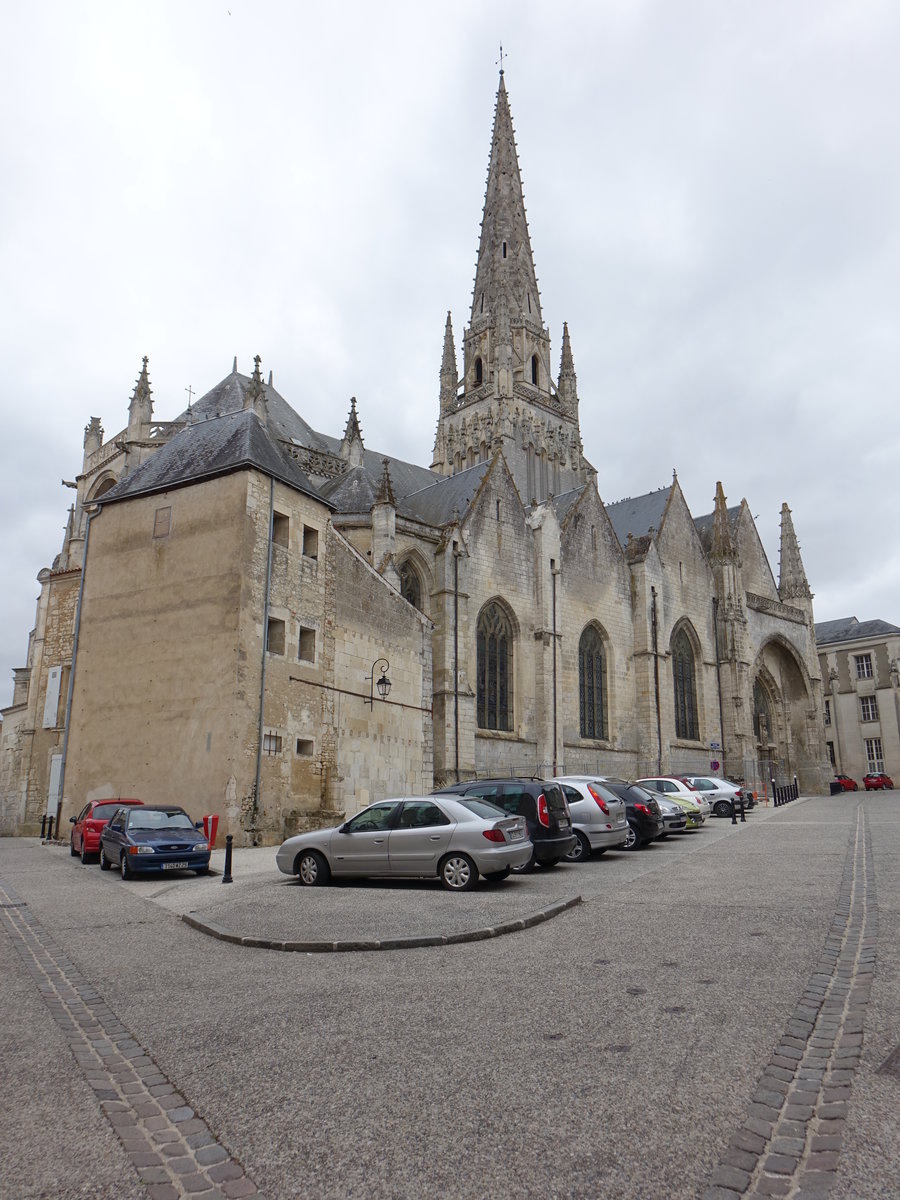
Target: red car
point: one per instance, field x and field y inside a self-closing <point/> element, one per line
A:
<point x="878" y="781"/>
<point x="88" y="825"/>
<point x="847" y="784"/>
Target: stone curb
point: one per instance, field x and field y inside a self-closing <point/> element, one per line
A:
<point x="211" y="929"/>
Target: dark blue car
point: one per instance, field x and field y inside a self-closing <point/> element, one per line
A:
<point x="161" y="837"/>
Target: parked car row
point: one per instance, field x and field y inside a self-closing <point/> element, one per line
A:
<point x="491" y="827"/>
<point x="134" y="837"/>
<point x="875" y="781"/>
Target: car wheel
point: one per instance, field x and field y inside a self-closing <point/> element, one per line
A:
<point x="72" y="849"/>
<point x="201" y="870"/>
<point x="312" y="870"/>
<point x="581" y="850"/>
<point x="105" y="864"/>
<point x="498" y="876"/>
<point x="85" y="857"/>
<point x="124" y="868"/>
<point x="632" y="841"/>
<point x="458" y="873"/>
<point x="722" y="808"/>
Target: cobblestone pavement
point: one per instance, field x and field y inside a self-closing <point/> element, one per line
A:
<point x="791" y="1141"/>
<point x="171" y="1148"/>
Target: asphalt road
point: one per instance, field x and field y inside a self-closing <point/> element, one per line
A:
<point x="628" y="1047"/>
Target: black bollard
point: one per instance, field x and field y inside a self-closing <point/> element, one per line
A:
<point x="733" y="813"/>
<point x="743" y="818"/>
<point x="226" y="874"/>
<point x="43" y="826"/>
<point x="50" y="827"/>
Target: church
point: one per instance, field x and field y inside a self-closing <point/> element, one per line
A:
<point x="254" y="618"/>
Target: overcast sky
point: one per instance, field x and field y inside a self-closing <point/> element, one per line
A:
<point x="712" y="191"/>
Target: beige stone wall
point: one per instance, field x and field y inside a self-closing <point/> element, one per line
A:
<point x="177" y="648"/>
<point x="847" y="731"/>
<point x="33" y="730"/>
<point x="383" y="748"/>
<point x="595" y="588"/>
<point x="166" y="687"/>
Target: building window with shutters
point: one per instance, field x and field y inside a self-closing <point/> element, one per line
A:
<point x="494" y="668"/>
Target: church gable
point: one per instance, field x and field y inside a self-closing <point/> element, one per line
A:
<point x="590" y="550"/>
<point x="755" y="570"/>
<point x="687" y="570"/>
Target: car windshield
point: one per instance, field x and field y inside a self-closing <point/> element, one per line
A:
<point x="637" y="794"/>
<point x="103" y="812"/>
<point x="481" y="808"/>
<point x="154" y="818"/>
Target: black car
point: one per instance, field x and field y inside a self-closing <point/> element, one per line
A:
<point x="643" y="814"/>
<point x="540" y="802"/>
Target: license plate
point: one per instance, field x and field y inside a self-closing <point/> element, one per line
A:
<point x="516" y="835"/>
<point x="175" y="866"/>
<point x="564" y="823"/>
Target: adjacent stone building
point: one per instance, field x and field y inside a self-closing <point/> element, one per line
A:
<point x="234" y="585"/>
<point x="858" y="662"/>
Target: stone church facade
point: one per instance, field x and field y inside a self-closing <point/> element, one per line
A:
<point x="235" y="588"/>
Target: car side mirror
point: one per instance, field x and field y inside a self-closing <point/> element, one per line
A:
<point x="198" y="824"/>
<point x="71" y="820"/>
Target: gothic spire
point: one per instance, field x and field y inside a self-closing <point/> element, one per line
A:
<point x="255" y="397"/>
<point x="722" y="541"/>
<point x="352" y="442"/>
<point x="792" y="583"/>
<point x="449" y="375"/>
<point x="568" y="384"/>
<point x="385" y="493"/>
<point x="505" y="262"/>
<point x="140" y="410"/>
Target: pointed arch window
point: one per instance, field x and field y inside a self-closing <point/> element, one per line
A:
<point x="592" y="684"/>
<point x="494" y="669"/>
<point x="410" y="584"/>
<point x="535" y="370"/>
<point x="479" y="372"/>
<point x="685" y="680"/>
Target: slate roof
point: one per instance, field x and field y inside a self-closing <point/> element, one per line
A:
<point x="849" y="629"/>
<point x="435" y="505"/>
<point x="209" y="448"/>
<point x="564" y="504"/>
<point x="638" y="514"/>
<point x="704" y="525"/>
<point x="351" y="493"/>
<point x="228" y="396"/>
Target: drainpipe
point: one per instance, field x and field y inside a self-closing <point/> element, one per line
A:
<point x="456" y="556"/>
<point x="655" y="628"/>
<point x="71" y="688"/>
<point x="715" y="605"/>
<point x="554" y="573"/>
<point x="265" y="640"/>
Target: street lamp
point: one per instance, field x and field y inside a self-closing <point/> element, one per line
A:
<point x="382" y="683"/>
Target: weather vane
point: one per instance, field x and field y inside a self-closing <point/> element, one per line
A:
<point x="500" y="59"/>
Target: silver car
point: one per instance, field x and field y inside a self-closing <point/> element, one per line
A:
<point x="674" y="817"/>
<point x="454" y="838"/>
<point x="598" y="816"/>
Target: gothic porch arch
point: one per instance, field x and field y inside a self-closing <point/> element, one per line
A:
<point x="783" y="715"/>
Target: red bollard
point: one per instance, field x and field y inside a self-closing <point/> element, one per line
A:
<point x="210" y="826"/>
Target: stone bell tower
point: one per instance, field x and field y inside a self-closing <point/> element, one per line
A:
<point x="507" y="398"/>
